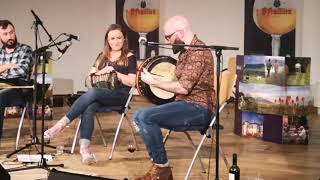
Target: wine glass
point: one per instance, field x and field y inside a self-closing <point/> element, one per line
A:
<point x="142" y="16"/>
<point x="275" y="17"/>
<point x="131" y="149"/>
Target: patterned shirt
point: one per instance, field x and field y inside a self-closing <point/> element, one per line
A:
<point x="195" y="72"/>
<point x="22" y="56"/>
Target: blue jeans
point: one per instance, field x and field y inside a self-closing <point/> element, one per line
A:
<point x="176" y="116"/>
<point x="10" y="97"/>
<point x="87" y="104"/>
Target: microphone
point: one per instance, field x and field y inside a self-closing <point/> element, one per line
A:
<point x="72" y="36"/>
<point x="36" y="17"/>
<point x="150" y="43"/>
<point x="62" y="51"/>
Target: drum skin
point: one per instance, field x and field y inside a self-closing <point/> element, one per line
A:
<point x="162" y="68"/>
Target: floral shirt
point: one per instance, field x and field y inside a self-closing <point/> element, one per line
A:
<point x="195" y="72"/>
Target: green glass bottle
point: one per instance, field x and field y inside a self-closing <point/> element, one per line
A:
<point x="234" y="171"/>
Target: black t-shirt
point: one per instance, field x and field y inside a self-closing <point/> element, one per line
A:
<point x="130" y="69"/>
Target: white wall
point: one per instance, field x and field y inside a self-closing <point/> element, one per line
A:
<point x="311" y="43"/>
<point x="311" y="36"/>
<point x="215" y="22"/>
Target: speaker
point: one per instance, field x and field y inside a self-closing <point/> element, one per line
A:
<point x="4" y="175"/>
<point x="60" y="175"/>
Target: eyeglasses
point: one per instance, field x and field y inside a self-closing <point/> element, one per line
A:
<point x="168" y="37"/>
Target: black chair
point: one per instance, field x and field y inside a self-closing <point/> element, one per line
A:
<point x="26" y="105"/>
<point x="227" y="80"/>
<point x="123" y="110"/>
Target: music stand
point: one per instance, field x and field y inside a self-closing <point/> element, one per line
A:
<point x="218" y="53"/>
<point x="40" y="54"/>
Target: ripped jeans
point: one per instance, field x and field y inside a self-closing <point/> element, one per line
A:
<point x="176" y="116"/>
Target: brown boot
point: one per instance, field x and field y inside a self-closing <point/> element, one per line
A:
<point x="157" y="173"/>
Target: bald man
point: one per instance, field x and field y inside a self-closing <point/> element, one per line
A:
<point x="195" y="97"/>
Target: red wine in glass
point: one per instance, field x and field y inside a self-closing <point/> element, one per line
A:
<point x="131" y="148"/>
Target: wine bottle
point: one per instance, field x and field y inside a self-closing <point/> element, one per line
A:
<point x="234" y="171"/>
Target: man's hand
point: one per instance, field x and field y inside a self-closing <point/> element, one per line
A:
<point x="147" y="77"/>
<point x="4" y="68"/>
<point x="11" y="66"/>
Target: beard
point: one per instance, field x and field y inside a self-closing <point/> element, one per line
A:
<point x="179" y="48"/>
<point x="10" y="44"/>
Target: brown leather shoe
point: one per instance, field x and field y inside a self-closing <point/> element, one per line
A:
<point x="157" y="173"/>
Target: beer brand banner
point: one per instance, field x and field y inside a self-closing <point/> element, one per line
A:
<point x="270" y="27"/>
<point x="141" y="20"/>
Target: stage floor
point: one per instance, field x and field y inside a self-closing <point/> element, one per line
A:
<point x="256" y="158"/>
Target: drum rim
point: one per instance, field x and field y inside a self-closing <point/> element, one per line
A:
<point x="145" y="89"/>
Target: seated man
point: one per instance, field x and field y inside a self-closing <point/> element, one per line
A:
<point x="15" y="64"/>
<point x="195" y="97"/>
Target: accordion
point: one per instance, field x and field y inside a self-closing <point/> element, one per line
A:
<point x="107" y="81"/>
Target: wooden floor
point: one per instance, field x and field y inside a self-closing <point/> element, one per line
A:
<point x="257" y="159"/>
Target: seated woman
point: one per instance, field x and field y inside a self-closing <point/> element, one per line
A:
<point x="115" y="57"/>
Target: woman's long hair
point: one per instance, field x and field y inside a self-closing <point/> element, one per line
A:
<point x="123" y="60"/>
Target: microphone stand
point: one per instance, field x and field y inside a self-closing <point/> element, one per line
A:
<point x="218" y="53"/>
<point x="40" y="55"/>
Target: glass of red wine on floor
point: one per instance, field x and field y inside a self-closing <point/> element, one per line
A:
<point x="131" y="148"/>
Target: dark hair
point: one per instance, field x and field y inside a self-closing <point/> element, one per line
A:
<point x="5" y="23"/>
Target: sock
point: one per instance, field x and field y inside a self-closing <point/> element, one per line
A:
<point x="65" y="120"/>
<point x="84" y="142"/>
<point x="162" y="165"/>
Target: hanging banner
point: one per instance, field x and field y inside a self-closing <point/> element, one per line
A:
<point x="141" y="20"/>
<point x="270" y="27"/>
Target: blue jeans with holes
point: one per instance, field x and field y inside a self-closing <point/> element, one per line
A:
<point x="176" y="116"/>
<point x="87" y="104"/>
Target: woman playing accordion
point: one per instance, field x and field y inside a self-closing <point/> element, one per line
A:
<point x="115" y="61"/>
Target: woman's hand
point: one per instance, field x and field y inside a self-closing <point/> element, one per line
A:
<point x="105" y="70"/>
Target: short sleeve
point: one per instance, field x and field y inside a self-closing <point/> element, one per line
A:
<point x="132" y="65"/>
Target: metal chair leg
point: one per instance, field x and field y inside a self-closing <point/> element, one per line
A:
<point x="192" y="145"/>
<point x="75" y="137"/>
<point x="101" y="132"/>
<point x="222" y="154"/>
<point x="116" y="136"/>
<point x="194" y="149"/>
<point x="194" y="157"/>
<point x="126" y="108"/>
<point x="77" y="131"/>
<point x="166" y="137"/>
<point x="20" y="126"/>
